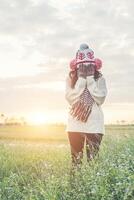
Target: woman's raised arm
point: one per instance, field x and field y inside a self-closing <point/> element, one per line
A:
<point x="72" y="94"/>
<point x="98" y="89"/>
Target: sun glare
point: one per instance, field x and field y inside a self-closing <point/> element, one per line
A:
<point x="37" y="118"/>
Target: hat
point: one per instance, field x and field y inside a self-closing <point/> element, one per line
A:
<point x="73" y="65"/>
<point x="84" y="46"/>
<point x="84" y="54"/>
<point x="98" y="63"/>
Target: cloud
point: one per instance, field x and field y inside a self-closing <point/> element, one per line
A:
<point x="38" y="38"/>
<point x="24" y="99"/>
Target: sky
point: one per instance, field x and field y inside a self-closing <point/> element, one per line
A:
<point x="38" y="39"/>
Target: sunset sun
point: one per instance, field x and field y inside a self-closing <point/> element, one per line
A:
<point x="37" y="118"/>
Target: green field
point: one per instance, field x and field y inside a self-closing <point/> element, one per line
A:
<point x="35" y="164"/>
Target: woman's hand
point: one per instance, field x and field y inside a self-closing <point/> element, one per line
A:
<point x="82" y="71"/>
<point x="73" y="78"/>
<point x="90" y="69"/>
<point x="73" y="74"/>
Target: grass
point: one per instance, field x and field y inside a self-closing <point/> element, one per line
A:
<point x="37" y="166"/>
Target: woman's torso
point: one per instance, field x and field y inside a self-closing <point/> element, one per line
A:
<point x="94" y="124"/>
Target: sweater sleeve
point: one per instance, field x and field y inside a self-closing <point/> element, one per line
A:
<point x="72" y="94"/>
<point x="98" y="89"/>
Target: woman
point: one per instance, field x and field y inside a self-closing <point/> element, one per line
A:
<point x="91" y="128"/>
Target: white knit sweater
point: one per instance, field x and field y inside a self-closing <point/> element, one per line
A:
<point x="98" y="90"/>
